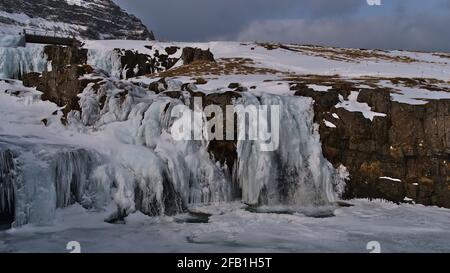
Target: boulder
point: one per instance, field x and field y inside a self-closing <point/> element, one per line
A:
<point x="191" y="55"/>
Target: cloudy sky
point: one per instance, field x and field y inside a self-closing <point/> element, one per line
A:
<point x="396" y="24"/>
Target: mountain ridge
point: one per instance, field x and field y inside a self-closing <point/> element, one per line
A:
<point x="87" y="19"/>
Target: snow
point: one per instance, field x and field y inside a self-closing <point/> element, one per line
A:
<point x="231" y="229"/>
<point x="108" y="153"/>
<point x="390" y="178"/>
<point x="23" y="21"/>
<point x="335" y="116"/>
<point x="414" y="95"/>
<point x="329" y="124"/>
<point x="352" y="105"/>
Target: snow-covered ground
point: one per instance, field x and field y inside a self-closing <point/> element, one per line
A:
<point x="398" y="228"/>
<point x="427" y="65"/>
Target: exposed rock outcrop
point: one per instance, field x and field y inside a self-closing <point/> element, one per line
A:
<point x="88" y="19"/>
<point x="402" y="156"/>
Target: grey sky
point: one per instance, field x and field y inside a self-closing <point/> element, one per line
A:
<point x="402" y="24"/>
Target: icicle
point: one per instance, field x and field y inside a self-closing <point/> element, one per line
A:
<point x="52" y="177"/>
<point x="294" y="174"/>
<point x="72" y="169"/>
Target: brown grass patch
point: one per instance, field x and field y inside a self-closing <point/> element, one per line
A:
<point x="223" y="66"/>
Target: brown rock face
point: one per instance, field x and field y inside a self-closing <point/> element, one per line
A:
<point x="31" y="79"/>
<point x="191" y="55"/>
<point x="61" y="84"/>
<point x="412" y="144"/>
<point x="138" y="64"/>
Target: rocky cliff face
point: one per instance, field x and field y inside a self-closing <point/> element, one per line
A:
<point x="89" y="19"/>
<point x="405" y="153"/>
<point x="61" y="82"/>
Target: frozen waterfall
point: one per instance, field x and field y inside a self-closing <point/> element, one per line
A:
<point x="294" y="174"/>
<point x="16" y="61"/>
<point x="142" y="167"/>
<point x="107" y="60"/>
<point x="51" y="177"/>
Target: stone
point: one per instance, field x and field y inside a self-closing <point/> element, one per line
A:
<point x="191" y="55"/>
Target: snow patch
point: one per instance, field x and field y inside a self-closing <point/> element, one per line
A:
<point x="352" y="105"/>
<point x="391" y="179"/>
<point x="329" y="124"/>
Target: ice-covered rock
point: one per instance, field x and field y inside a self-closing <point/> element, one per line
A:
<point x="294" y="174"/>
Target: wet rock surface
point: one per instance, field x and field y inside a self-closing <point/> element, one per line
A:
<point x="7" y="188"/>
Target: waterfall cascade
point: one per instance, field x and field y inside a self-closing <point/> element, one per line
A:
<point x="52" y="177"/>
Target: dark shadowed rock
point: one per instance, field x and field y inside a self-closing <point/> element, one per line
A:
<point x="171" y="50"/>
<point x="8" y="176"/>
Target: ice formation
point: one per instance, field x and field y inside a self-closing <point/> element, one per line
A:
<point x="294" y="174"/>
<point x="107" y="60"/>
<point x="12" y="40"/>
<point x="7" y="177"/>
<point x="16" y="61"/>
<point x="141" y="167"/>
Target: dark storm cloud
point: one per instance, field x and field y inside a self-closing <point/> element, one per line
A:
<point x="206" y="19"/>
<point x="407" y="24"/>
<point x="429" y="34"/>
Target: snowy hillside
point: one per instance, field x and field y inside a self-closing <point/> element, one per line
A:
<point x="81" y="139"/>
<point x="92" y="19"/>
